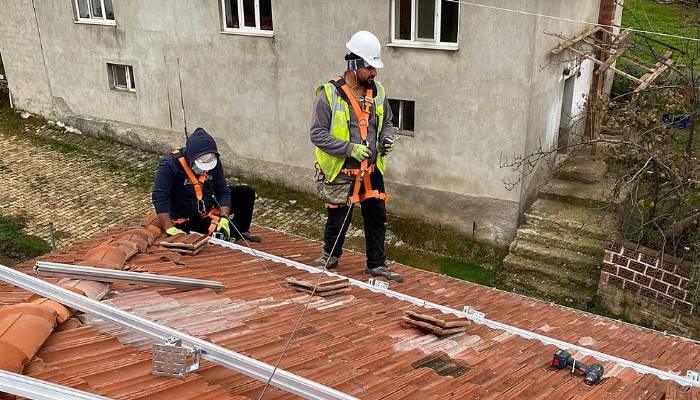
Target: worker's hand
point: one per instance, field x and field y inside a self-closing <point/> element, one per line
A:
<point x="360" y="152"/>
<point x="224" y="228"/>
<point x="172" y="231"/>
<point x="386" y="146"/>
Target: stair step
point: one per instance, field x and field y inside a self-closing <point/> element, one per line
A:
<point x="513" y="264"/>
<point x="593" y="223"/>
<point x="583" y="167"/>
<point x="557" y="256"/>
<point x="566" y="240"/>
<point x="579" y="193"/>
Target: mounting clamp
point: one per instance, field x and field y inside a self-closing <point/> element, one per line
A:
<point x="171" y="359"/>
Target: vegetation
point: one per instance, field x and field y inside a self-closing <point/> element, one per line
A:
<point x="17" y="246"/>
<point x="653" y="16"/>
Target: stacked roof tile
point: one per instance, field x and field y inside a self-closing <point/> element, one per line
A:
<point x="354" y="342"/>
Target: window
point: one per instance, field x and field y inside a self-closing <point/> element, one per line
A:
<point x="425" y="23"/>
<point x="121" y="77"/>
<point x="95" y="11"/>
<point x="404" y="114"/>
<point x="253" y="17"/>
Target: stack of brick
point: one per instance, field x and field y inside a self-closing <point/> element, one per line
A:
<point x="636" y="277"/>
<point x="25" y="327"/>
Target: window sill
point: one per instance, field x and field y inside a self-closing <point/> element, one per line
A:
<point x="401" y="132"/>
<point x="128" y="91"/>
<point x="96" y="22"/>
<point x="249" y="33"/>
<point x="423" y="45"/>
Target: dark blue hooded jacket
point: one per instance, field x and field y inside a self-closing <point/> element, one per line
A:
<point x="172" y="191"/>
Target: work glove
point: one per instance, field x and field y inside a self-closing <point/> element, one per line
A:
<point x="360" y="152"/>
<point x="172" y="231"/>
<point x="224" y="228"/>
<point x="386" y="146"/>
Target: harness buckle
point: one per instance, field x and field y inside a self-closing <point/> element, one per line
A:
<point x="364" y="142"/>
<point x="201" y="207"/>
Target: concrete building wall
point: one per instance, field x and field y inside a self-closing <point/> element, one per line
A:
<point x="548" y="82"/>
<point x="497" y="94"/>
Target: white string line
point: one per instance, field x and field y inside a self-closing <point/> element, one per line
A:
<point x="573" y="20"/>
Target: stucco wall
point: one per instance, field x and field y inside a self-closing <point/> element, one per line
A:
<point x="496" y="94"/>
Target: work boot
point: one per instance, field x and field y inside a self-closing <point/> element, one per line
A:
<point x="326" y="260"/>
<point x="384" y="271"/>
<point x="251" y="238"/>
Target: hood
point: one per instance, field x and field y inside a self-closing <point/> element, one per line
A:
<point x="199" y="143"/>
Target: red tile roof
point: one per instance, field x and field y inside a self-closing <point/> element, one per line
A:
<point x="354" y="342"/>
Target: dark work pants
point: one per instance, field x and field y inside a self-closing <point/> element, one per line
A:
<point x="242" y="204"/>
<point x="373" y="221"/>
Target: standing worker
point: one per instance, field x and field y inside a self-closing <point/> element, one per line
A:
<point x="190" y="193"/>
<point x="353" y="133"/>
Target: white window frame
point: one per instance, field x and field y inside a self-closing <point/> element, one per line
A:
<point x="94" y="20"/>
<point x="423" y="43"/>
<point x="243" y="29"/>
<point x="129" y="69"/>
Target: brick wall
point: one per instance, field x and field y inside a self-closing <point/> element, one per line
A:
<point x="642" y="272"/>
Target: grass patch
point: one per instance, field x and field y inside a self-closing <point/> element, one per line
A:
<point x="17" y="246"/>
<point x="673" y="19"/>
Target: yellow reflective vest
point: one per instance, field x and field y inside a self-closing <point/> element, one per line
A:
<point x="340" y="128"/>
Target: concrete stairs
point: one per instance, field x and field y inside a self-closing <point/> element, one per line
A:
<point x="557" y="252"/>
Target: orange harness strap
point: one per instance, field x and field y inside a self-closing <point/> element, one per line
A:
<point x="197" y="183"/>
<point x="362" y="174"/>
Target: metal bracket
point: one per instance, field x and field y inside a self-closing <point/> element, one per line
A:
<point x="171" y="359"/>
<point x="469" y="310"/>
<point x="378" y="283"/>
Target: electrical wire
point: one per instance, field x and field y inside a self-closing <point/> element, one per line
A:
<point x="533" y="14"/>
<point x="306" y="306"/>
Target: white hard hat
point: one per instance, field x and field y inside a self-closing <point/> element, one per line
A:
<point x="206" y="162"/>
<point x="367" y="46"/>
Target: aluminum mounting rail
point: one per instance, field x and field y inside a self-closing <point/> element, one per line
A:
<point x="640" y="368"/>
<point x="108" y="275"/>
<point x="36" y="389"/>
<point x="255" y="369"/>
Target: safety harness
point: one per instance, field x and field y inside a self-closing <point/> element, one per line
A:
<point x="362" y="175"/>
<point x="197" y="183"/>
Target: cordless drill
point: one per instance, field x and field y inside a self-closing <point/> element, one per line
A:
<point x="591" y="375"/>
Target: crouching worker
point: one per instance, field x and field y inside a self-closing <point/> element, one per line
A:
<point x="190" y="193"/>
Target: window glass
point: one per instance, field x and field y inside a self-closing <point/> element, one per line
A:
<point x="394" y="104"/>
<point x="249" y="13"/>
<point x="83" y="10"/>
<point x="119" y="74"/>
<point x="131" y="75"/>
<point x="402" y="15"/>
<point x="266" y="15"/>
<point x="425" y="14"/>
<point x="96" y="8"/>
<point x="231" y="12"/>
<point x="449" y="18"/>
<point x="108" y="9"/>
<point x="408" y="115"/>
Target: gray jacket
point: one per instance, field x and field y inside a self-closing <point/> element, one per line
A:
<point x="322" y="138"/>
